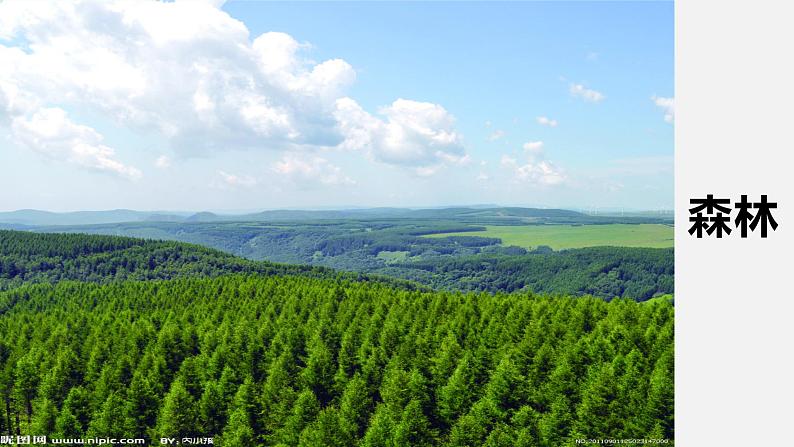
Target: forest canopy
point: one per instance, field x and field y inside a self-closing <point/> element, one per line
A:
<point x="34" y="257"/>
<point x="294" y="360"/>
<point x="118" y="337"/>
<point x="387" y="250"/>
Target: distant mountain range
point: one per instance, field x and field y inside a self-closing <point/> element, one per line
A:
<point x="22" y="218"/>
<point x="37" y="217"/>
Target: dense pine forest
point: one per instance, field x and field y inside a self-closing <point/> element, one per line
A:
<point x="31" y="258"/>
<point x="637" y="273"/>
<point x="176" y="340"/>
<point x="399" y="248"/>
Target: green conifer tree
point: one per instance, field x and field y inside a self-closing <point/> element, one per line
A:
<point x="177" y="416"/>
<point x="212" y="409"/>
<point x="45" y="414"/>
<point x="110" y="421"/>
<point x="456" y="396"/>
<point x="305" y="410"/>
<point x="380" y="432"/>
<point x="414" y="428"/>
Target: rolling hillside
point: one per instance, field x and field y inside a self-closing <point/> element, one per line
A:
<point x="401" y="250"/>
<point x="27" y="258"/>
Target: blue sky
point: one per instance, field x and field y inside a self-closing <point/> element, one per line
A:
<point x="267" y="105"/>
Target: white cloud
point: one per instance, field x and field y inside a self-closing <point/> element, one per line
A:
<point x="193" y="74"/>
<point x="540" y="172"/>
<point x="580" y="91"/>
<point x="535" y="147"/>
<point x="546" y="121"/>
<point x="13" y="102"/>
<point x="51" y="133"/>
<point x="236" y="180"/>
<point x="536" y="170"/>
<point x="497" y="134"/>
<point x="667" y="105"/>
<point x="426" y="171"/>
<point x="482" y="177"/>
<point x="411" y="133"/>
<point x="310" y="170"/>
<point x="163" y="162"/>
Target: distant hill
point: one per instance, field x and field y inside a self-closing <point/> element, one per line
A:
<point x="27" y="257"/>
<point x="36" y="217"/>
<point x="163" y="218"/>
<point x="205" y="216"/>
<point x="406" y="213"/>
<point x="491" y="214"/>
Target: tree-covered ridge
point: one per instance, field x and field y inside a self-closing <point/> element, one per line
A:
<point x="398" y="249"/>
<point x="304" y="361"/>
<point x="637" y="273"/>
<point x="27" y="257"/>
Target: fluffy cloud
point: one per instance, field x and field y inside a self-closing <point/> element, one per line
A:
<point x="667" y="105"/>
<point x="410" y="133"/>
<point x="163" y="162"/>
<point x="307" y="171"/>
<point x="191" y="73"/>
<point x="12" y="101"/>
<point x="50" y="132"/>
<point x="235" y="180"/>
<point x="536" y="170"/>
<point x="535" y="147"/>
<point x="589" y="95"/>
<point x="540" y="172"/>
<point x="495" y="135"/>
<point x="546" y="121"/>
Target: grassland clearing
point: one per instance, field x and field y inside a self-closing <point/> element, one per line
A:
<point x="561" y="237"/>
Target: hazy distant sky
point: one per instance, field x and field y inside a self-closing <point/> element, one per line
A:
<point x="256" y="105"/>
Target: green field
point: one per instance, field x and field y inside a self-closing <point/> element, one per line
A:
<point x="393" y="256"/>
<point x="577" y="236"/>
